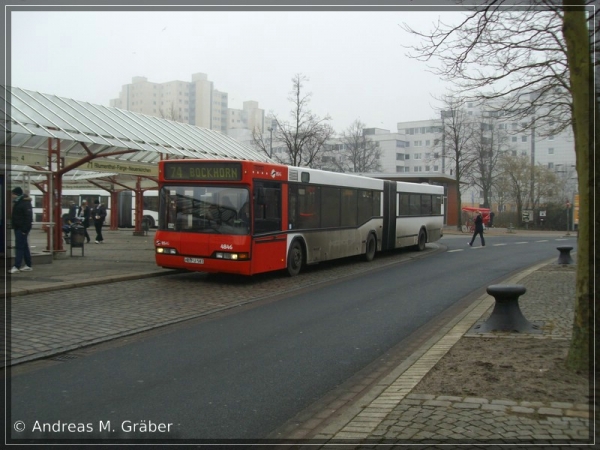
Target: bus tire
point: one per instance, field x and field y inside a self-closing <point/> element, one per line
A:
<point x="370" y="248"/>
<point x="148" y="221"/>
<point x="422" y="241"/>
<point x="295" y="258"/>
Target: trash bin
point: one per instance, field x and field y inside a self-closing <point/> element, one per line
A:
<point x="77" y="238"/>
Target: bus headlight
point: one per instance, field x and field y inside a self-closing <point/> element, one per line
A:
<point x="166" y="251"/>
<point x="232" y="256"/>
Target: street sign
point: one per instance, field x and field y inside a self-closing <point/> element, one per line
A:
<point x="27" y="158"/>
<point x="542" y="213"/>
<point x="526" y="215"/>
<point x="112" y="165"/>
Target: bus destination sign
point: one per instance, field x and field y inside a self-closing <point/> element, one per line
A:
<point x="203" y="171"/>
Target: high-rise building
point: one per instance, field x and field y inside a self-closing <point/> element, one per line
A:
<point x="197" y="103"/>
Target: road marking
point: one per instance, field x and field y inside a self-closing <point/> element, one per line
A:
<point x="522" y="242"/>
<point x="457" y="250"/>
<point x="562" y="239"/>
<point x="543" y="240"/>
<point x="498" y="245"/>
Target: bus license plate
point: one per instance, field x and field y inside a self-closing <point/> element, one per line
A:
<point x="194" y="260"/>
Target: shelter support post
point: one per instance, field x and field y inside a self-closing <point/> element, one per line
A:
<point x="114" y="210"/>
<point x="139" y="208"/>
<point x="56" y="243"/>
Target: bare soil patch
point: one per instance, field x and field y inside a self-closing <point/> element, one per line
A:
<point x="520" y="369"/>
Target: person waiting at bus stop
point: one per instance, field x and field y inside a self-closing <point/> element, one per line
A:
<point x="21" y="220"/>
<point x="84" y="214"/>
<point x="478" y="230"/>
<point x="99" y="214"/>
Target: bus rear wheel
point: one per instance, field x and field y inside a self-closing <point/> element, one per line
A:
<point x="371" y="248"/>
<point x="295" y="259"/>
<point x="422" y="241"/>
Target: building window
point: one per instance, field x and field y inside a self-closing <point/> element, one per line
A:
<point x="523" y="138"/>
<point x="551" y="137"/>
<point x="550" y="165"/>
<point x="399" y="156"/>
<point x="417" y="156"/>
<point x="399" y="169"/>
<point x="514" y="139"/>
<point x="427" y="143"/>
<point x="417" y="169"/>
<point x="436" y="168"/>
<point x="551" y="151"/>
<point x="427" y="168"/>
<point x="417" y="143"/>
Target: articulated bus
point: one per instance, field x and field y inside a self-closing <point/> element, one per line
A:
<point x="127" y="200"/>
<point x="247" y="217"/>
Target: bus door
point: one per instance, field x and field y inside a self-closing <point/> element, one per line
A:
<point x="389" y="216"/>
<point x="269" y="242"/>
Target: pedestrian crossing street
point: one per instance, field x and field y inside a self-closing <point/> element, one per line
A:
<point x="477" y="246"/>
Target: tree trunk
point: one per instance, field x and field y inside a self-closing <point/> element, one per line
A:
<point x="581" y="80"/>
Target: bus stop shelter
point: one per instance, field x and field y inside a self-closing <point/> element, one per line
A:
<point x="108" y="147"/>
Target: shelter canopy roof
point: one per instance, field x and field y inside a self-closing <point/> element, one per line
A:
<point x="31" y="118"/>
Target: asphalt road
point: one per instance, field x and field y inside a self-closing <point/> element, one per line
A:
<point x="241" y="375"/>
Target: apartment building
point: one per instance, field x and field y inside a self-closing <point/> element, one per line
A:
<point x="196" y="102"/>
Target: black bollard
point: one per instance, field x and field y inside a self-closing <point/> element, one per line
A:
<point x="507" y="315"/>
<point x="565" y="255"/>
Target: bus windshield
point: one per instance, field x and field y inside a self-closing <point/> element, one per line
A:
<point x="205" y="209"/>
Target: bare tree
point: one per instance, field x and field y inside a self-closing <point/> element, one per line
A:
<point x="169" y="113"/>
<point x="304" y="136"/>
<point x="584" y="106"/>
<point x="514" y="174"/>
<point x="359" y="153"/>
<point x="488" y="144"/>
<point x="512" y="54"/>
<point x="457" y="142"/>
<point x="547" y="186"/>
<point x="262" y="141"/>
<point x="536" y="59"/>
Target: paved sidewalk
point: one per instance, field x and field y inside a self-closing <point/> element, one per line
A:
<point x="47" y="304"/>
<point x="393" y="414"/>
<point x="122" y="256"/>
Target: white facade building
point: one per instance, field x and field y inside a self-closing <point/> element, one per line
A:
<point x="197" y="103"/>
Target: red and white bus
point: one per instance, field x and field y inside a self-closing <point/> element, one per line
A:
<point x="248" y="217"/>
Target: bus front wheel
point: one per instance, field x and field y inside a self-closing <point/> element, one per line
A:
<point x="371" y="247"/>
<point x="295" y="259"/>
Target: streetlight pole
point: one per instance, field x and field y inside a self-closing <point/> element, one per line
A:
<point x="568" y="207"/>
<point x="271" y="128"/>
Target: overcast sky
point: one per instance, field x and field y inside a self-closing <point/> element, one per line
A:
<point x="355" y="61"/>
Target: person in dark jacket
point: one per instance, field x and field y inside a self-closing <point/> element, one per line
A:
<point x="22" y="218"/>
<point x="72" y="213"/>
<point x="99" y="214"/>
<point x="84" y="214"/>
<point x="478" y="230"/>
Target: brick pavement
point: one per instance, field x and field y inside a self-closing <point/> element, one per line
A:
<point x="396" y="415"/>
<point x="67" y="304"/>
